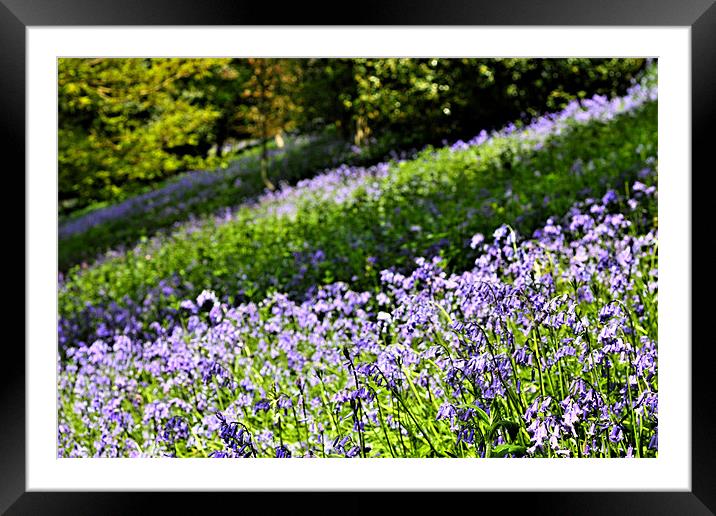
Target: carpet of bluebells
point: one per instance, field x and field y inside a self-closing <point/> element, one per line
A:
<point x="529" y="338"/>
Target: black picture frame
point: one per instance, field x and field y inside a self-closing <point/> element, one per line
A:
<point x="699" y="15"/>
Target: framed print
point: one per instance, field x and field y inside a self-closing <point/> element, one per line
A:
<point x="251" y="238"/>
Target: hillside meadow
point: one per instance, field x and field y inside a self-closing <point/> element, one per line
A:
<point x="492" y="295"/>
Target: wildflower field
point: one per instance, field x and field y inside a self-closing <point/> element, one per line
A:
<point x="495" y="297"/>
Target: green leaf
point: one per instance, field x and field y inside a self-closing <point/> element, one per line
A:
<point x="510" y="426"/>
<point x="508" y="449"/>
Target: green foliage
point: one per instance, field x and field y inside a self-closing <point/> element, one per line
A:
<point x="129" y="122"/>
<point x="431" y="99"/>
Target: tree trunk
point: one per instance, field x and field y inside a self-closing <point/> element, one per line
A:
<point x="264" y="166"/>
<point x="279" y="140"/>
<point x="362" y="130"/>
<point x="264" y="131"/>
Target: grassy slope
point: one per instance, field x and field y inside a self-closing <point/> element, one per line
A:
<point x="240" y="181"/>
<point x="209" y="192"/>
<point x="428" y="205"/>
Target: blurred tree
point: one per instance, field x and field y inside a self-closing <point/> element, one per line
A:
<point x="325" y="93"/>
<point x="127" y="123"/>
<point x="426" y="100"/>
<point x="269" y="107"/>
